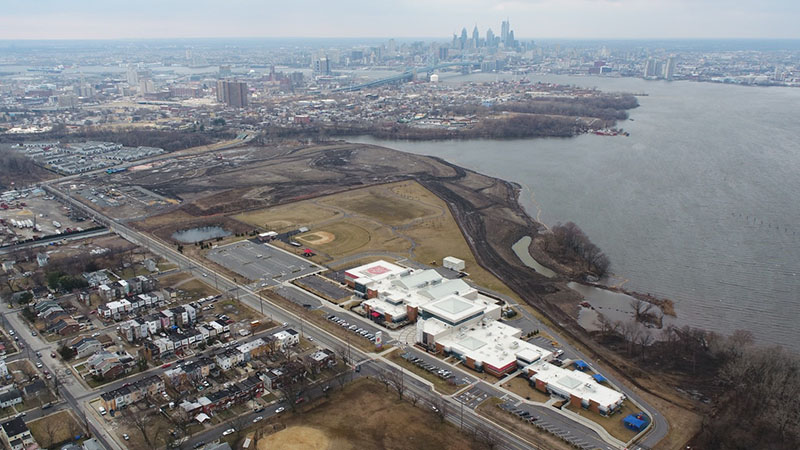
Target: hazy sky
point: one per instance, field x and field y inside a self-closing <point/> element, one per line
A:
<point x="103" y="19"/>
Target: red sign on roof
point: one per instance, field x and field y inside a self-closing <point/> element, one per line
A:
<point x="377" y="270"/>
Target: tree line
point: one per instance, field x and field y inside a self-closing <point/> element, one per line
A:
<point x="569" y="244"/>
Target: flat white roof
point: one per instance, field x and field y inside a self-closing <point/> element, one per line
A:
<point x="576" y="383"/>
<point x="454" y="308"/>
<point x="493" y="343"/>
<point x="374" y="271"/>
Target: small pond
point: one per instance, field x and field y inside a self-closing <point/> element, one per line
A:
<point x="193" y="235"/>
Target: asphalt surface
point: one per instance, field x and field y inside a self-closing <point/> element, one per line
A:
<point x="265" y="264"/>
<point x="507" y="439"/>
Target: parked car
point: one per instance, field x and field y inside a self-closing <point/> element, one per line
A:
<point x="280" y="410"/>
<point x="228" y="431"/>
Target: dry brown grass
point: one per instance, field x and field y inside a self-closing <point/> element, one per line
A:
<point x="53" y="429"/>
<point x="520" y="386"/>
<point x="612" y="424"/>
<point x="288" y="217"/>
<point x="364" y="416"/>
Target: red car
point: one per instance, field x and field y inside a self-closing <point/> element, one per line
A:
<point x="166" y="365"/>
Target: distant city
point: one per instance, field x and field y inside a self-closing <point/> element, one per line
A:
<point x="73" y="83"/>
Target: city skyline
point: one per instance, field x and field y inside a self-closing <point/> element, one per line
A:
<point x="577" y="19"/>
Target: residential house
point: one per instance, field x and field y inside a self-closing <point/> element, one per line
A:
<point x="287" y="338"/>
<point x="10" y="398"/>
<point x="321" y="359"/>
<point x="16" y="435"/>
<point x="85" y="346"/>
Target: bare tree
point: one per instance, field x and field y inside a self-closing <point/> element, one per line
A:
<point x="396" y="379"/>
<point x="413" y="397"/>
<point x="141" y="421"/>
<point x="50" y="429"/>
<point x="641" y="309"/>
<point x="439" y="406"/>
<point x="484" y="436"/>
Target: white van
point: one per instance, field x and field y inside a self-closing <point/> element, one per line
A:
<point x="102" y="411"/>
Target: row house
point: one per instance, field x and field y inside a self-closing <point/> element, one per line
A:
<point x="290" y="372"/>
<point x="320" y="359"/>
<point x="105" y="365"/>
<point x="127" y="395"/>
<point x="287" y="338"/>
<point x="193" y="372"/>
<point x="115" y="309"/>
<point x="239" y="392"/>
<point x="85" y="346"/>
<point x="65" y="326"/>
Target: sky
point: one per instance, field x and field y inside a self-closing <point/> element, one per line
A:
<point x="530" y="19"/>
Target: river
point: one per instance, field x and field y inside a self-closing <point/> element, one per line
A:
<point x="698" y="205"/>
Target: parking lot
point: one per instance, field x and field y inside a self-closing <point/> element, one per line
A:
<point x="325" y="287"/>
<point x="473" y="397"/>
<point x="264" y="264"/>
<point x="552" y="424"/>
<point x="436" y="369"/>
<point x="358" y="330"/>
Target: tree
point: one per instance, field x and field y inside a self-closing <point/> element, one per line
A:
<point x="396" y="380"/>
<point x="484" y="436"/>
<point x="141" y="421"/>
<point x="51" y="428"/>
<point x="439" y="406"/>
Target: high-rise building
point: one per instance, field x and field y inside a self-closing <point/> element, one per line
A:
<point x="322" y="66"/>
<point x="505" y="28"/>
<point x="232" y="93"/>
<point x="650" y="68"/>
<point x="490" y="38"/>
<point x="669" y="68"/>
<point x="224" y="71"/>
<point x="146" y="86"/>
<point x="463" y="37"/>
<point x="476" y="37"/>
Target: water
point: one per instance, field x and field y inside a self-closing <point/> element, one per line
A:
<point x="698" y="205"/>
<point x="193" y="235"/>
<point x="521" y="249"/>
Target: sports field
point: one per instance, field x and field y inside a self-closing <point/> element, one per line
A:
<point x="401" y="219"/>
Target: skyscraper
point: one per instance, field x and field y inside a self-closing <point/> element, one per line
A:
<point x="464" y="37"/>
<point x="476" y="37"/>
<point x="505" y="28"/>
<point x="669" y="68"/>
<point x="232" y="93"/>
<point x="490" y="38"/>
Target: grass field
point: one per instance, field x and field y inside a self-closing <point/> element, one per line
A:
<point x="364" y="416"/>
<point x="383" y="204"/>
<point x="415" y="213"/>
<point x="612" y="424"/>
<point x="54" y="429"/>
<point x="287" y="217"/>
<point x="520" y="386"/>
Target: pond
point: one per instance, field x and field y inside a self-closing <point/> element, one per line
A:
<point x="198" y="234"/>
<point x="521" y="250"/>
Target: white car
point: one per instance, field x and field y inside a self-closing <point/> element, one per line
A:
<point x="228" y="431"/>
<point x="258" y="419"/>
<point x="280" y="410"/>
<point x="126" y="437"/>
<point x="38" y="365"/>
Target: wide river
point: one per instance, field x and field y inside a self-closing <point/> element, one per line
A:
<point x="701" y="204"/>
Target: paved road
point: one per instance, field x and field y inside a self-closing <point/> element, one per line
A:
<point x="321" y="336"/>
